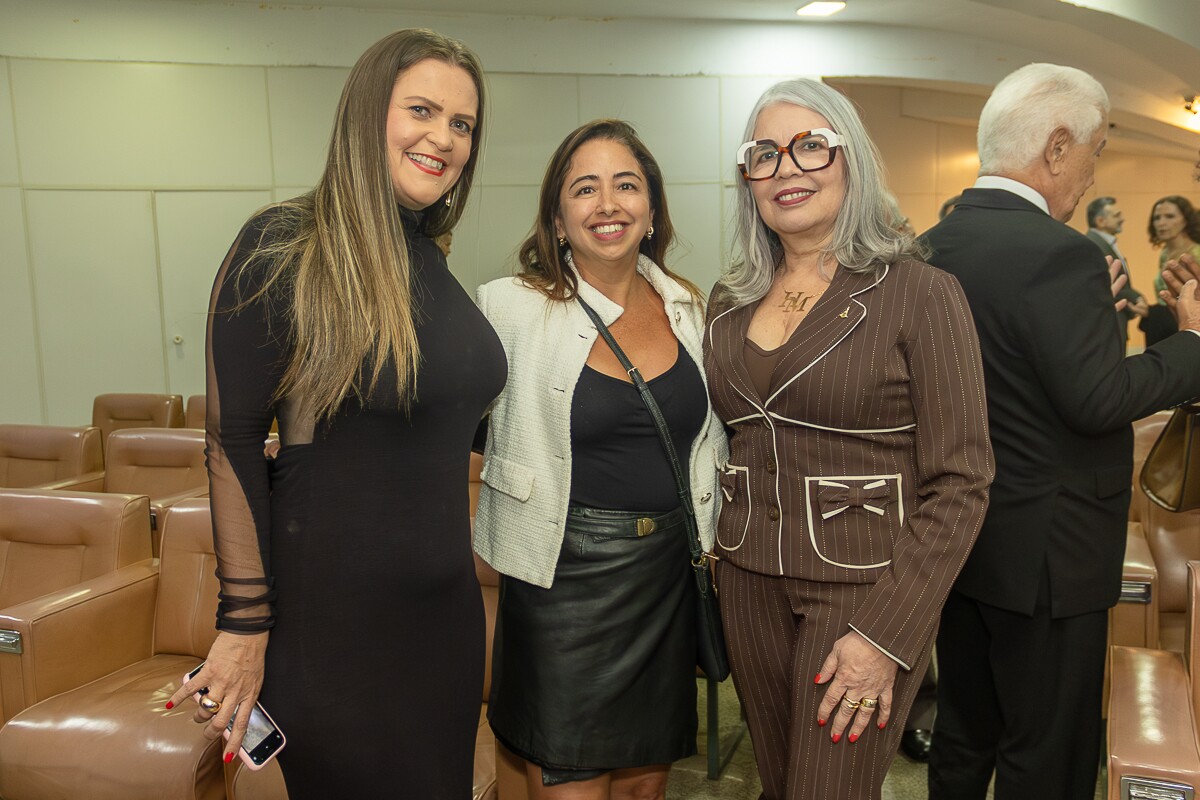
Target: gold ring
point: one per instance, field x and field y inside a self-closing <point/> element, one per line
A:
<point x="210" y="705"/>
<point x="868" y="703"/>
<point x="851" y="704"/>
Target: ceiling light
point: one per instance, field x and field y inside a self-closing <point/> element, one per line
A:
<point x="819" y="9"/>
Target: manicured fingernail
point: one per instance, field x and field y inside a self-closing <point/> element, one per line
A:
<point x="817" y="679"/>
<point x="228" y="757"/>
<point x="822" y="722"/>
<point x="882" y="725"/>
<point x="170" y="705"/>
<point x="853" y="738"/>
<point x="837" y="737"/>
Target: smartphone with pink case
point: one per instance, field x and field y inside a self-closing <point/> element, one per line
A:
<point x="263" y="739"/>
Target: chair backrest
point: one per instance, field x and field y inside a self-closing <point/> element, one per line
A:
<point x="52" y="539"/>
<point x="186" y="613"/>
<point x="196" y="412"/>
<point x="155" y="461"/>
<point x="35" y="454"/>
<point x="1174" y="539"/>
<point x="1145" y="434"/>
<point x="111" y="412"/>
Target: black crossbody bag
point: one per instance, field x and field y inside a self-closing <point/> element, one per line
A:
<point x="711" y="655"/>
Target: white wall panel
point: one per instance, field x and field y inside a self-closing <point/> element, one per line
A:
<point x="696" y="213"/>
<point x="8" y="142"/>
<point x="195" y="230"/>
<point x="675" y="117"/>
<point x="97" y="297"/>
<point x="528" y="116"/>
<point x="490" y="240"/>
<point x="85" y="124"/>
<point x="281" y="193"/>
<point x="20" y="387"/>
<point x="303" y="102"/>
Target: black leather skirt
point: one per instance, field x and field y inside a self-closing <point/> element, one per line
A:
<point x="598" y="672"/>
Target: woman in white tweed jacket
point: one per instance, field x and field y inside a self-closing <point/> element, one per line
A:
<point x="594" y="667"/>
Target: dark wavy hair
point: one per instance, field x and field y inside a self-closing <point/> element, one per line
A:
<point x="543" y="260"/>
<point x="1191" y="220"/>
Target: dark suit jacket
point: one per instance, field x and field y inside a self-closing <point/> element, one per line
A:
<point x="1061" y="396"/>
<point x="1127" y="293"/>
<point x="869" y="460"/>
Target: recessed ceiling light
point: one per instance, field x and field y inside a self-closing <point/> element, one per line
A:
<point x="819" y="9"/>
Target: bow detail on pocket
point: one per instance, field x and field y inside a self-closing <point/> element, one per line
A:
<point x="833" y="498"/>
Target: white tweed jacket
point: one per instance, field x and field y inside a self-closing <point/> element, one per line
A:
<point x="527" y="461"/>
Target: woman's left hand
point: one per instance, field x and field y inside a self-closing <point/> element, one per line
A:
<point x="855" y="670"/>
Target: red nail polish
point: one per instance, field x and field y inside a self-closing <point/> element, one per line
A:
<point x="822" y="722"/>
<point x="817" y="679"/>
<point x="882" y="725"/>
<point x="228" y="757"/>
<point x="837" y="737"/>
<point x="853" y="738"/>
<point x="170" y="705"/>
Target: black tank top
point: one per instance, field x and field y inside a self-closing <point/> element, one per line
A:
<point x="617" y="459"/>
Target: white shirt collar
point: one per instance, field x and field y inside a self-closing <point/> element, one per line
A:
<point x="1106" y="236"/>
<point x="1016" y="187"/>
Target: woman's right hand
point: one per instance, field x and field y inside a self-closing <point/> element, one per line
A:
<point x="233" y="676"/>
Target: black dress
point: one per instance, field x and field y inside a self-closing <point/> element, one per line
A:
<point x="353" y="546"/>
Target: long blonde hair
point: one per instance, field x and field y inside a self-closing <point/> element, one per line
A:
<point x="341" y="251"/>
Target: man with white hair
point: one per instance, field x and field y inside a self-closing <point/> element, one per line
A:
<point x="1021" y="644"/>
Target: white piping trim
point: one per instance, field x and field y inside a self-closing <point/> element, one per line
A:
<point x="875" y="644"/>
<point x="899" y="429"/>
<point x="789" y="381"/>
<point x="743" y="419"/>
<point x="831" y="480"/>
<point x="730" y="469"/>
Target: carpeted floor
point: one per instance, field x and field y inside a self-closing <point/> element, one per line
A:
<point x="739" y="780"/>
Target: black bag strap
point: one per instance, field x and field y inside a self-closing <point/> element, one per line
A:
<point x="664" y="435"/>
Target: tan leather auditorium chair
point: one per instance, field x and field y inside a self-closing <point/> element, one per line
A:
<point x="45" y="456"/>
<point x="112" y="738"/>
<point x="195" y="412"/>
<point x="1153" y="709"/>
<point x="55" y="545"/>
<point x="167" y="465"/>
<point x="112" y="412"/>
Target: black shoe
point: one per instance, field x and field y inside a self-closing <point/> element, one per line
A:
<point x="916" y="743"/>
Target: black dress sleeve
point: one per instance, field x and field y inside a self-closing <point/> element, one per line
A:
<point x="246" y="357"/>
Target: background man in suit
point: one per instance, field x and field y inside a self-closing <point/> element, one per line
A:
<point x="1021" y="644"/>
<point x="1105" y="221"/>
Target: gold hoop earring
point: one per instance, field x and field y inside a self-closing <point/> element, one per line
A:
<point x="449" y="199"/>
<point x="650" y="233"/>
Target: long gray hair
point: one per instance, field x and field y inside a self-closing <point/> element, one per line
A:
<point x="863" y="238"/>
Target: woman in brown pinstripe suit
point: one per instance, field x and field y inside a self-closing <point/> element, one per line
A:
<point x="849" y="374"/>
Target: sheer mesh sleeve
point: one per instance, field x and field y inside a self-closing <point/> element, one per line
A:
<point x="246" y="357"/>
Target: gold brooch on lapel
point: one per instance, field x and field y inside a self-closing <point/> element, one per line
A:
<point x="845" y="313"/>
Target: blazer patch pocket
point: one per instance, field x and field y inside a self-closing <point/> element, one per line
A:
<point x="735" y="508"/>
<point x="853" y="519"/>
<point x="509" y="477"/>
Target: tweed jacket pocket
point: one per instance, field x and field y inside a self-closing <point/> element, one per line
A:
<point x="509" y="477"/>
<point x="853" y="519"/>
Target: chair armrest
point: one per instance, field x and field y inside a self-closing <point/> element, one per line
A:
<point x="87" y="482"/>
<point x="159" y="505"/>
<point x="65" y="639"/>
<point x="1134" y="620"/>
<point x="1151" y="728"/>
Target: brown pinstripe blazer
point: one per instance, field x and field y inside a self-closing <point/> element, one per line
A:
<point x="870" y="461"/>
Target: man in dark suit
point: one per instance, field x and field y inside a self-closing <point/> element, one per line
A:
<point x="1021" y="644"/>
<point x="1105" y="220"/>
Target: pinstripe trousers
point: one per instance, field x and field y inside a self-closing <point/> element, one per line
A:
<point x="779" y="631"/>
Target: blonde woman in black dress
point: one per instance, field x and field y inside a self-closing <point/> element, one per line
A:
<point x="336" y="313"/>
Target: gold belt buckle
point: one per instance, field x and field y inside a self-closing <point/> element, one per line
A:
<point x="646" y="526"/>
